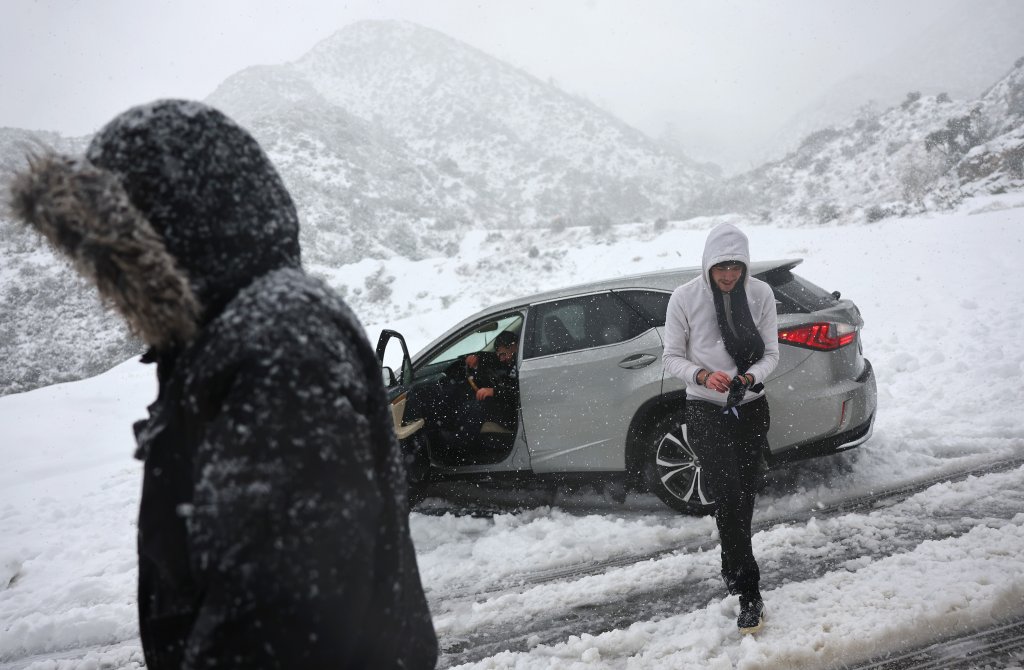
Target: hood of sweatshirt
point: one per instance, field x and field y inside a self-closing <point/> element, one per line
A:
<point x="725" y="242"/>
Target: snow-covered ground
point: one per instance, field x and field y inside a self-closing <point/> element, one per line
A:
<point x="942" y="298"/>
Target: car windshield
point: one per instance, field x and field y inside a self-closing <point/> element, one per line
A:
<point x="479" y="338"/>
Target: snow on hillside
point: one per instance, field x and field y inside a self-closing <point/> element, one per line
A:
<point x="401" y="137"/>
<point x="541" y="153"/>
<point x="926" y="153"/>
<point x="960" y="54"/>
<point x="934" y="291"/>
<point x="361" y="192"/>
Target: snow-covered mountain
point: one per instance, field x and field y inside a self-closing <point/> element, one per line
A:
<point x="960" y="54"/>
<point x="361" y="191"/>
<point x="395" y="135"/>
<point x="543" y="154"/>
<point x="926" y="153"/>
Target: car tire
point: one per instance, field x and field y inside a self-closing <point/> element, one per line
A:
<point x="672" y="470"/>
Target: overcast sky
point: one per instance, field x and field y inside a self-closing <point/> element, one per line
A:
<point x="714" y="65"/>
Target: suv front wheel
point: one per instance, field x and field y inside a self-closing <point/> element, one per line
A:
<point x="672" y="470"/>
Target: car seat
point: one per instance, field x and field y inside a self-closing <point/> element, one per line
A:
<point x="557" y="336"/>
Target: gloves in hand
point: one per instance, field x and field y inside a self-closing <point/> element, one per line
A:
<point x="737" y="389"/>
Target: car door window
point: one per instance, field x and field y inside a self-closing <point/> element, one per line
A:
<point x="584" y="322"/>
<point x="652" y="305"/>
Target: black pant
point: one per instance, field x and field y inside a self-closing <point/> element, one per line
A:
<point x="447" y="406"/>
<point x="729" y="446"/>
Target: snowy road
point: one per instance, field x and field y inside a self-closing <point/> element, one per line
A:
<point x="1000" y="646"/>
<point x="909" y="549"/>
<point x="798" y="548"/>
<point x="485" y="625"/>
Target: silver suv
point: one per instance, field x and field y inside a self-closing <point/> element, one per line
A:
<point x="596" y="405"/>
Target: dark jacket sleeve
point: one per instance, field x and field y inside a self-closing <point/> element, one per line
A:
<point x="503" y="378"/>
<point x="288" y="517"/>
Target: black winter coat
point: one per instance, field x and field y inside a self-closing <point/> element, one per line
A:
<point x="490" y="372"/>
<point x="273" y="528"/>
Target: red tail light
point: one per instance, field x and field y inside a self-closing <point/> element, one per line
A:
<point x="820" y="336"/>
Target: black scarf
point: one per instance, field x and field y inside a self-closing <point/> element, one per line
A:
<point x="745" y="344"/>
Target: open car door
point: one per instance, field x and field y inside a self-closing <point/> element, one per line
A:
<point x="393" y="354"/>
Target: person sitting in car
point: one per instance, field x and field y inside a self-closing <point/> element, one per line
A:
<point x="495" y="378"/>
<point x="478" y="388"/>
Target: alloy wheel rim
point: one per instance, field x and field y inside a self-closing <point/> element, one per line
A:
<point x="679" y="468"/>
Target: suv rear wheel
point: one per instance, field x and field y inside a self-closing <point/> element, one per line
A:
<point x="672" y="470"/>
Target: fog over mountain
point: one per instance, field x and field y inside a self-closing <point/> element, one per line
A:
<point x="929" y="152"/>
<point x="396" y="140"/>
<point x="451" y="137"/>
<point x="960" y="54"/>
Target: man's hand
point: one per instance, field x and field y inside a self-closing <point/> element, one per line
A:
<point x="484" y="393"/>
<point x="718" y="381"/>
<point x="472" y="360"/>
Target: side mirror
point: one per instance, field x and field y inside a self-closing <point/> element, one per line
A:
<point x="389" y="376"/>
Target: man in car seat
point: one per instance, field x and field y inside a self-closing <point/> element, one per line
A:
<point x="478" y="388"/>
<point x="496" y="379"/>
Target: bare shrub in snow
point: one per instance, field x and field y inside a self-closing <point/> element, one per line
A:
<point x="378" y="286"/>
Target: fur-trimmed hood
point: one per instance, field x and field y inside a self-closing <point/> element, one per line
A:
<point x="173" y="210"/>
<point x="85" y="214"/>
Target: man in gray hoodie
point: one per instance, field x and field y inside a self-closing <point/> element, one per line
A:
<point x="721" y="339"/>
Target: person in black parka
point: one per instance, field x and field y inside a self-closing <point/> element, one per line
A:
<point x="273" y="527"/>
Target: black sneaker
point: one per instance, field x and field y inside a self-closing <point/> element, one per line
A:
<point x="751" y="616"/>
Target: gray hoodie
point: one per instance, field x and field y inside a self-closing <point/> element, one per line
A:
<point x="692" y="337"/>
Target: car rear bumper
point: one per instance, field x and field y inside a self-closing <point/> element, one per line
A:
<point x="864" y="405"/>
<point x="830" y="445"/>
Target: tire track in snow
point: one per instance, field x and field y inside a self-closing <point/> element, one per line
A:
<point x="781" y="564"/>
<point x="873" y="500"/>
<point x="999" y="646"/>
<point x="556" y="628"/>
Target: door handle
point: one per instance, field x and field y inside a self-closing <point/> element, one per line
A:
<point x="637" y="361"/>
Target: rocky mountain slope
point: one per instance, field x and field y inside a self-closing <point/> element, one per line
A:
<point x="361" y="191"/>
<point x="959" y="54"/>
<point x="397" y="138"/>
<point x="928" y="152"/>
